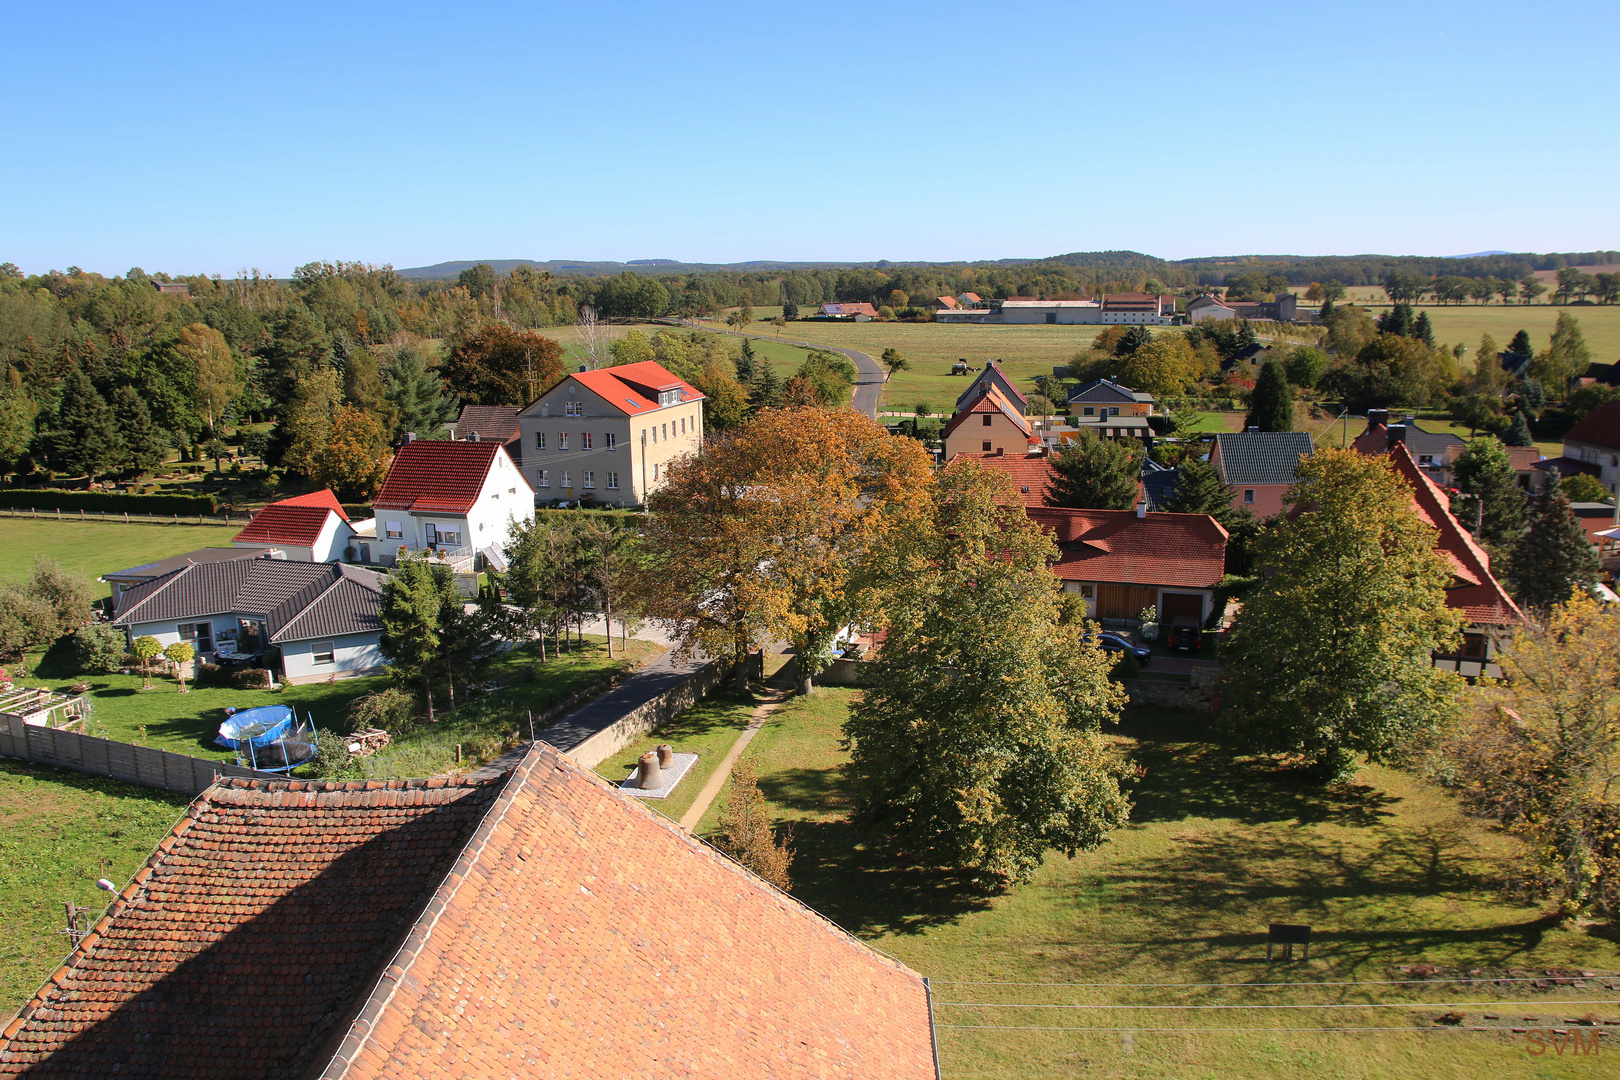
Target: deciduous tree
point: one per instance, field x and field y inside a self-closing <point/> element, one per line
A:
<point x="500" y="365"/>
<point x="1331" y="654"/>
<point x="180" y="654"/>
<point x="221" y="377"/>
<point x="744" y="828"/>
<point x="354" y="459"/>
<point x="979" y="744"/>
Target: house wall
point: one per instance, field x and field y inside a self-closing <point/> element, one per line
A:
<point x="644" y="446"/>
<point x="353" y="655"/>
<point x="1209" y="313"/>
<point x="504" y="497"/>
<point x="1123" y="600"/>
<point x="1001" y="433"/>
<point x="1607" y="460"/>
<point x="1062" y="314"/>
<point x="167" y="633"/>
<point x="1268" y="498"/>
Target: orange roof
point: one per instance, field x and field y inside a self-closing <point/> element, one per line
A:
<point x="972" y="297"/>
<point x="633" y="388"/>
<point x="1600" y="427"/>
<point x="946" y="301"/>
<point x="1030" y="473"/>
<point x="541" y="924"/>
<point x="990" y="400"/>
<point x="431" y="476"/>
<point x="296" y="522"/>
<point x="1477" y="593"/>
<point x="1177" y="550"/>
<point x="323" y="497"/>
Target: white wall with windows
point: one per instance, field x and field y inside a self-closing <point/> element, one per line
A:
<point x="346" y="657"/>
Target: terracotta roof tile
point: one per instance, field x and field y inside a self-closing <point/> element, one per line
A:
<point x="990" y="400"/>
<point x="432" y="476"/>
<point x="323" y="497"/>
<point x="633" y="388"/>
<point x="540" y="925"/>
<point x="1600" y="427"/>
<point x="491" y="423"/>
<point x="1030" y="473"/>
<point x="1179" y="550"/>
<point x="281" y="523"/>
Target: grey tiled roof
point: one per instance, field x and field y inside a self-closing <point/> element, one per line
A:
<point x="1106" y="390"/>
<point x="148" y="571"/>
<point x="1430" y="442"/>
<point x="282" y="593"/>
<point x="1261" y="457"/>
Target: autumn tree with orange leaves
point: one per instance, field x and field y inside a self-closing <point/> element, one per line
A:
<point x="354" y="459"/>
<point x="786" y="529"/>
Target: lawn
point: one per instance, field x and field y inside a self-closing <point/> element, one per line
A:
<point x="1025" y="352"/>
<point x="1385" y="869"/>
<point x="1464" y="323"/>
<point x="708" y="729"/>
<point x="94" y="548"/>
<point x="59" y="832"/>
<point x="187" y="723"/>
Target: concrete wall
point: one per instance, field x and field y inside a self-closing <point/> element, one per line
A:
<point x="654" y="714"/>
<point x="846" y="673"/>
<point x="141" y="765"/>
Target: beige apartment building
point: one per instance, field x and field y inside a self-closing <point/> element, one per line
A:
<point x="609" y="436"/>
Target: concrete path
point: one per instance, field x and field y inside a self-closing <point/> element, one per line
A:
<point x="781" y="690"/>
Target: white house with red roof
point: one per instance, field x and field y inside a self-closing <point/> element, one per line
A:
<point x="459" y="498"/>
<point x="610" y="435"/>
<point x="989" y="424"/>
<point x="307" y="528"/>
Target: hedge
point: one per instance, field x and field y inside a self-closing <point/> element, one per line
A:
<point x="111" y="502"/>
<point x="619" y="519"/>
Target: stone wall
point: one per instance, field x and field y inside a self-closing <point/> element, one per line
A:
<point x="1200" y="694"/>
<point x="654" y="714"/>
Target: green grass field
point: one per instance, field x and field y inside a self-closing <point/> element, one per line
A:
<point x="95" y="548"/>
<point x="1385" y="869"/>
<point x="707" y="730"/>
<point x="59" y="832"/>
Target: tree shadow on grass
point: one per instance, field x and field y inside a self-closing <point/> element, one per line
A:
<point x="806" y="790"/>
<point x="58" y="662"/>
<point x="1188" y="776"/>
<point x="849" y="877"/>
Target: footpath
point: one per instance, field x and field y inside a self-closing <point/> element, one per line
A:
<point x="777" y="693"/>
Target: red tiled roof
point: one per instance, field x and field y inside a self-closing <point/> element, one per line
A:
<point x="972" y="297"/>
<point x="849" y="309"/>
<point x="990" y="400"/>
<point x="289" y="523"/>
<point x="443" y="477"/>
<point x="633" y="388"/>
<point x="419" y="930"/>
<point x="491" y="423"/>
<point x="1600" y="427"/>
<point x="1478" y="595"/>
<point x="323" y="497"/>
<point x="1030" y="473"/>
<point x="238" y="949"/>
<point x="1178" y="550"/>
<point x="946" y="301"/>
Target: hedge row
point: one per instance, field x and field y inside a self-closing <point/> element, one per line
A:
<point x="618" y="519"/>
<point x="111" y="502"/>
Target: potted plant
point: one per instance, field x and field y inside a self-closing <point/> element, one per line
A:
<point x="1150" y="623"/>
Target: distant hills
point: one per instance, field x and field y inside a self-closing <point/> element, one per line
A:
<point x="1351" y="269"/>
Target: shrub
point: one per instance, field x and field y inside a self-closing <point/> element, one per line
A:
<point x="745" y="829"/>
<point x="99" y="648"/>
<point x="106" y="501"/>
<point x="388" y="709"/>
<point x="1128" y="666"/>
<point x="332" y="758"/>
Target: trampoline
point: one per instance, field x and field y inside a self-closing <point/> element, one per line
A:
<point x="269" y="738"/>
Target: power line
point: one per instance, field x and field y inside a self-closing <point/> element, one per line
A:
<point x="1202" y="1030"/>
<point x="1374" y="1005"/>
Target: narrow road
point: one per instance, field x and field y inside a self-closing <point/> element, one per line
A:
<point x="869" y="378"/>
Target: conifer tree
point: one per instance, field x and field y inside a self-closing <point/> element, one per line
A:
<point x="1553" y="559"/>
<point x="745" y="363"/>
<point x="1519" y="433"/>
<point x="144" y="446"/>
<point x="1199" y="490"/>
<point x="1093" y="473"/>
<point x="1423" y="330"/>
<point x="1493" y="505"/>
<point x="86" y="436"/>
<point x="766" y="390"/>
<point x="1272" y="403"/>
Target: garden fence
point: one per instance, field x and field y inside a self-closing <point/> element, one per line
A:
<point x="141" y="765"/>
<point x="240" y="517"/>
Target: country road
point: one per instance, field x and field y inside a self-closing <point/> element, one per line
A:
<point x="868" y="383"/>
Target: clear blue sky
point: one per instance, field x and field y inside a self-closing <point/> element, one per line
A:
<point x="210" y="137"/>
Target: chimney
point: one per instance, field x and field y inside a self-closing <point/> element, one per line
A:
<point x="1254" y="431"/>
<point x="1397" y="433"/>
<point x="407" y="438"/>
<point x="1141" y="508"/>
<point x="1376" y="417"/>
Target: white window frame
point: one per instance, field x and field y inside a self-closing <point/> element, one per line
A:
<point x="585" y="440"/>
<point x="539" y="440"/>
<point x="1248" y="495"/>
<point x="587" y="479"/>
<point x="541" y="479"/>
<point x="612" y="480"/>
<point x="194" y="638"/>
<point x="612" y="441"/>
<point x="449" y="538"/>
<point x="562" y="440"/>
<point x="323" y="649"/>
<point x="565" y="479"/>
<point x="575" y="408"/>
<point x="393" y="530"/>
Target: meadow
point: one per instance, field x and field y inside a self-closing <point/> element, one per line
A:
<point x="1464" y="323"/>
<point x="1385" y="869"/>
<point x="94" y="548"/>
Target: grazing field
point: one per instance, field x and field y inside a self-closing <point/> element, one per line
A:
<point x="1385" y="869"/>
<point x="1026" y="351"/>
<point x="95" y="548"/>
<point x="59" y="832"/>
<point x="1464" y="323"/>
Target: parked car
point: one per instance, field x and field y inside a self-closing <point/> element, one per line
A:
<point x="1110" y="642"/>
<point x="1186" y="634"/>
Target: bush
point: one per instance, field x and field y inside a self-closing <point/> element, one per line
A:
<point x="251" y="678"/>
<point x="99" y="648"/>
<point x="1128" y="666"/>
<point x="745" y="831"/>
<point x="389" y="710"/>
<point x="332" y="758"/>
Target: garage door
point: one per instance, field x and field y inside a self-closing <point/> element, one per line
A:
<point x="1177" y="603"/>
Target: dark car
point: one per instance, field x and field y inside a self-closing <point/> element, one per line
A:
<point x="1110" y="642"/>
<point x="1186" y="634"/>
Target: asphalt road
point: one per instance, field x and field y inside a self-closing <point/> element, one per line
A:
<point x="869" y="378"/>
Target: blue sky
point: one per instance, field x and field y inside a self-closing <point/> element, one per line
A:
<point x="207" y="138"/>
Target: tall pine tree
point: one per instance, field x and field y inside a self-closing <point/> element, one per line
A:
<point x="86" y="436"/>
<point x="766" y="390"/>
<point x="1493" y="504"/>
<point x="1423" y="330"/>
<point x="144" y="445"/>
<point x="1093" y="473"/>
<point x="745" y="363"/>
<point x="1519" y="433"/>
<point x="1271" y="407"/>
<point x="1553" y="559"/>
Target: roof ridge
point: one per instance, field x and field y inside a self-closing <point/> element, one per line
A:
<point x="163" y="584"/>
